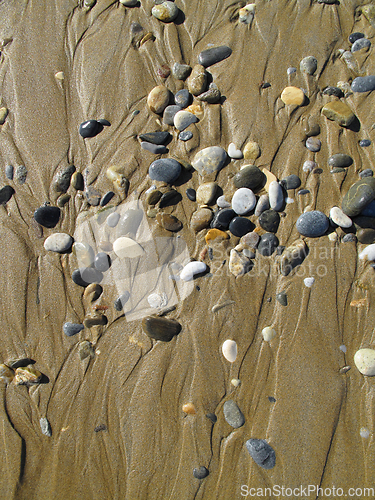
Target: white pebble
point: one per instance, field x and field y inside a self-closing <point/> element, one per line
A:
<point x="365" y="433"/>
<point x="126" y="247"/>
<point x="235" y="382"/>
<point x="243" y="201"/>
<point x="368" y="253"/>
<point x="268" y="333"/>
<point x="191" y="269"/>
<point x="339" y="218"/>
<point x="58" y="242"/>
<point x="45" y="427"/>
<point x="222" y="202"/>
<point x="364" y="360"/>
<point x="309" y="282"/>
<point x="308" y="166"/>
<point x="288" y="200"/>
<point x="333" y="236"/>
<point x="276" y="195"/>
<point x="157" y="300"/>
<point x="229" y="350"/>
<point x="246" y="14"/>
<point x="343" y="348"/>
<point x="150" y="189"/>
<point x="233" y="152"/>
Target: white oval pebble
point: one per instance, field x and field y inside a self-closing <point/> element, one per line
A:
<point x="288" y="200"/>
<point x="45" y="427"/>
<point x="364" y="360"/>
<point x="309" y="282"/>
<point x="229" y="350"/>
<point x="157" y="300"/>
<point x="338" y="217"/>
<point x="309" y="165"/>
<point x="222" y="202"/>
<point x="191" y="269"/>
<point x="126" y="247"/>
<point x="112" y="219"/>
<point x="150" y="189"/>
<point x="243" y="201"/>
<point x="262" y="205"/>
<point x="268" y="333"/>
<point x="368" y="252"/>
<point x="235" y="382"/>
<point x="276" y="195"/>
<point x="365" y="433"/>
<point x="343" y="348"/>
<point x="233" y="152"/>
<point x="58" y="242"/>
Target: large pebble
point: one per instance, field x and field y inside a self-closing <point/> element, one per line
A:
<point x="158" y="98"/>
<point x="267" y="244"/>
<point x="293" y="256"/>
<point x="359" y="196"/>
<point x="5" y="194"/>
<point x="239" y="226"/>
<point x="313" y="144"/>
<point x="71" y="329"/>
<point x="102" y="262"/>
<point x="362" y="43"/>
<point x="163" y="329"/>
<point x="183" y="98"/>
<point x="158" y="138"/>
<point x="191" y="269"/>
<point x="181" y="71"/>
<point x="312" y="224"/>
<point x="165" y="12"/>
<point x="338" y="217"/>
<point x="364" y="360"/>
<point x="291" y="182"/>
<point x="239" y="263"/>
<point x="168" y="222"/>
<point x="90" y="128"/>
<point x="251" y="150"/>
<point x="58" y="242"/>
<point x="308" y="65"/>
<point x="363" y="83"/>
<point x="197" y="82"/>
<point x="366" y="236"/>
<point x="201" y="219"/>
<point x="269" y="220"/>
<point x="233" y="415"/>
<point x="206" y="193"/>
<point x="47" y="216"/>
<point x="250" y="177"/>
<point x="209" y="160"/>
<point x="293" y="95"/>
<point x="261" y="452"/>
<point x="169" y="114"/>
<point x="223" y="218"/>
<point x="126" y="247"/>
<point x="112" y="219"/>
<point x="276" y="196"/>
<point x="214" y="55"/>
<point x="250" y="240"/>
<point x="229" y="350"/>
<point x="164" y="170"/>
<point x="339" y="112"/>
<point x="243" y="201"/>
<point x="182" y="119"/>
<point x="368" y="253"/>
<point x="268" y="333"/>
<point x="340" y="160"/>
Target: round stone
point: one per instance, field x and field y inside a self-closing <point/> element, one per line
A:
<point x="155" y="137"/>
<point x="157" y="300"/>
<point x="268" y="333"/>
<point x="125" y="247"/>
<point x="71" y="329"/>
<point x="250" y="177"/>
<point x="209" y="160"/>
<point x="338" y="217"/>
<point x="84" y="276"/>
<point x="262" y="453"/>
<point x="363" y="83"/>
<point x="291" y="182"/>
<point x="168" y="222"/>
<point x="182" y="119"/>
<point x="191" y="269"/>
<point x="309" y="65"/>
<point x="158" y="98"/>
<point x="102" y="262"/>
<point x="5" y="194"/>
<point x="112" y="219"/>
<point x="186" y="135"/>
<point x="267" y="244"/>
<point x="362" y="43"/>
<point x="214" y="55"/>
<point x="364" y="360"/>
<point x="197" y="82"/>
<point x="121" y="301"/>
<point x="312" y="224"/>
<point x="293" y="95"/>
<point x="160" y="328"/>
<point x="313" y="144"/>
<point x="365" y="143"/>
<point x="164" y="170"/>
<point x="276" y="196"/>
<point x="200" y="472"/>
<point x="233" y="415"/>
<point x="191" y="194"/>
<point x="223" y="218"/>
<point x="239" y="226"/>
<point x="269" y="220"/>
<point x="206" y="193"/>
<point x="353" y="37"/>
<point x="250" y="240"/>
<point x="47" y="216"/>
<point x="165" y="12"/>
<point x="340" y="160"/>
<point x="181" y="71"/>
<point x="77" y="181"/>
<point x="359" y="196"/>
<point x="90" y="128"/>
<point x="243" y="201"/>
<point x="229" y="350"/>
<point x="169" y="114"/>
<point x="366" y="236"/>
<point x="154" y="148"/>
<point x="183" y="98"/>
<point x="251" y="151"/>
<point x="58" y="242"/>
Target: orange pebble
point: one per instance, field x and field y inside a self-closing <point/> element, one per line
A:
<point x="189" y="408"/>
<point x="358" y="303"/>
<point x="212" y="234"/>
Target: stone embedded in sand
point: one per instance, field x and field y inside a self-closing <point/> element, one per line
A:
<point x="168" y="222"/>
<point x="312" y="224"/>
<point x="222" y="202"/>
<point x="223" y="218"/>
<point x="233" y="152"/>
<point x="246" y="14"/>
<point x="293" y="256"/>
<point x="333" y="91"/>
<point x="239" y="264"/>
<point x="181" y="71"/>
<point x="360" y="194"/>
<point x="368" y="253"/>
<point x="170" y="198"/>
<point x="233" y="415"/>
<point x="308" y="65"/>
<point x="47" y="216"/>
<point x="182" y="119"/>
<point x="229" y="350"/>
<point x="155" y="137"/>
<point x="5" y="194"/>
<point x="86" y="349"/>
<point x="191" y="194"/>
<point x="158" y="99"/>
<point x="239" y="226"/>
<point x="102" y="262"/>
<point x="157" y="300"/>
<point x="212" y="95"/>
<point x="189" y="408"/>
<point x="77" y="181"/>
<point x="206" y="193"/>
<point x="197" y="82"/>
<point x="200" y="472"/>
<point x="362" y="43"/>
<point x="339" y="112"/>
<point x="186" y="135"/>
<point x="209" y="160"/>
<point x="293" y="95"/>
<point x="250" y="177"/>
<point x="308" y="282"/>
<point x="363" y="83"/>
<point x="340" y="160"/>
<point x="165" y="12"/>
<point x="59" y="76"/>
<point x="154" y="148"/>
<point x="27" y="375"/>
<point x="261" y="452"/>
<point x="214" y="55"/>
<point x="71" y="329"/>
<point x="20" y="174"/>
<point x="93" y="196"/>
<point x="125" y="247"/>
<point x="338" y="217"/>
<point x="269" y="220"/>
<point x="129" y="3"/>
<point x="113" y="219"/>
<point x="95" y="319"/>
<point x="84" y="276"/>
<point x="213" y="234"/>
<point x="366" y="236"/>
<point x="90" y="128"/>
<point x="3" y="115"/>
<point x="243" y="201"/>
<point x="9" y="172"/>
<point x="58" y="242"/>
<point x="268" y="333"/>
<point x="6" y="374"/>
<point x="276" y="196"/>
<point x="364" y="360"/>
<point x="251" y="150"/>
<point x="313" y="144"/>
<point x="268" y="244"/>
<point x="365" y="143"/>
<point x="163" y="329"/>
<point x="282" y="298"/>
<point x="164" y="170"/>
<point x="250" y="240"/>
<point x="45" y="427"/>
<point x="121" y="301"/>
<point x="183" y="98"/>
<point x="191" y="269"/>
<point x="61" y="181"/>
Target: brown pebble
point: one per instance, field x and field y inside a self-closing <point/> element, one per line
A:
<point x="164" y="71"/>
<point x="152" y="213"/>
<point x="366" y="235"/>
<point x="189" y="408"/>
<point x="158" y="99"/>
<point x="63" y="200"/>
<point x="77" y="181"/>
<point x="212" y="234"/>
<point x="27" y="375"/>
<point x="358" y="303"/>
<point x="197" y="81"/>
<point x="92" y="292"/>
<point x="153" y="197"/>
<point x="201" y="219"/>
<point x="169" y="222"/>
<point x="95" y="319"/>
<point x="159" y="328"/>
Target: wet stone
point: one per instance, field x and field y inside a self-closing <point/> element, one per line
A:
<point x="339" y="112"/>
<point x="214" y="55"/>
<point x="85" y="350"/>
<point x="183" y="98"/>
<point x="155" y="137"/>
<point x="251" y="150"/>
<point x="291" y="182"/>
<point x="58" y="242"/>
<point x="62" y="179"/>
<point x="363" y="83"/>
<point x="267" y="244"/>
<point x="20" y="174"/>
<point x="169" y="114"/>
<point x="168" y="222"/>
<point x="206" y="193"/>
<point x="335" y="91"/>
<point x="77" y="181"/>
<point x="209" y="160"/>
<point x="365" y="143"/>
<point x="191" y="194"/>
<point x="349" y="238"/>
<point x="154" y="148"/>
<point x="340" y="160"/>
<point x="233" y="415"/>
<point x="165" y="12"/>
<point x="212" y="95"/>
<point x="336" y="170"/>
<point x="250" y="176"/>
<point x="276" y="196"/>
<point x="92" y="196"/>
<point x="95" y="319"/>
<point x="197" y="82"/>
<point x="293" y="96"/>
<point x="239" y="226"/>
<point x="90" y="128"/>
<point x="158" y="328"/>
<point x="121" y="301"/>
<point x="309" y="65"/>
<point x="361" y="43"/>
<point x="5" y="194"/>
<point x="9" y="172"/>
<point x="369" y="210"/>
<point x="313" y="144"/>
<point x="223" y="218"/>
<point x="222" y="202"/>
<point x="312" y="224"/>
<point x="164" y="170"/>
<point x="170" y="198"/>
<point x="84" y="276"/>
<point x="185" y="135"/>
<point x="154" y="197"/>
<point x="201" y="219"/>
<point x="200" y="472"/>
<point x="240" y="263"/>
<point x="182" y="119"/>
<point x="261" y="452"/>
<point x="338" y="218"/>
<point x="181" y="71"/>
<point x="366" y="236"/>
<point x="353" y="37"/>
<point x="71" y="329"/>
<point x="282" y="298"/>
<point x="102" y="262"/>
<point x="47" y="216"/>
<point x="158" y="99"/>
<point x="269" y="220"/>
<point x="360" y="194"/>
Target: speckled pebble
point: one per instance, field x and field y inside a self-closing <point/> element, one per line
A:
<point x="243" y="201"/>
<point x="312" y="224"/>
<point x="313" y="144"/>
<point x="363" y="83"/>
<point x="222" y="202"/>
<point x="338" y="217"/>
<point x="364" y="360"/>
<point x="9" y="172"/>
<point x="276" y="196"/>
<point x="181" y="71"/>
<point x="262" y="453"/>
<point x="361" y="43"/>
<point x="183" y="98"/>
<point x="45" y="427"/>
<point x="209" y="160"/>
<point x="309" y="65"/>
<point x="165" y="170"/>
<point x="200" y="472"/>
<point x="58" y="242"/>
<point x="250" y="177"/>
<point x="185" y="135"/>
<point x="267" y="244"/>
<point x="20" y="174"/>
<point x="335" y="91"/>
<point x="349" y="238"/>
<point x="233" y="415"/>
<point x="269" y="220"/>
<point x="201" y="219"/>
<point x="366" y="173"/>
<point x="158" y="99"/>
<point x="71" y="329"/>
<point x="165" y="12"/>
<point x="206" y="193"/>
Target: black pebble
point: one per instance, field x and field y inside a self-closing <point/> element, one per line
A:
<point x="47" y="216"/>
<point x="303" y="191"/>
<point x="107" y="198"/>
<point x="212" y="417"/>
<point x="121" y="301"/>
<point x="222" y="219"/>
<point x="240" y="226"/>
<point x="191" y="194"/>
<point x="269" y="220"/>
<point x="267" y="244"/>
<point x="104" y="122"/>
<point x="200" y="472"/>
<point x="170" y="198"/>
<point x="271" y="399"/>
<point x="353" y="37"/>
<point x="155" y="137"/>
<point x="90" y="128"/>
<point x="335" y="91"/>
<point x="5" y="194"/>
<point x="261" y="452"/>
<point x="291" y="182"/>
<point x="83" y="277"/>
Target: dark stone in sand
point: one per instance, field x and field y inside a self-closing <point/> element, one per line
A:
<point x="363" y="83"/>
<point x="83" y="277"/>
<point x="71" y="329"/>
<point x="62" y="179"/>
<point x="107" y="198"/>
<point x="200" y="472"/>
<point x="155" y="137"/>
<point x="222" y="219"/>
<point x="170" y="198"/>
<point x="121" y="301"/>
<point x="90" y="128"/>
<point x="165" y="170"/>
<point x="291" y="182"/>
<point x="191" y="194"/>
<point x="163" y="329"/>
<point x="185" y="135"/>
<point x="239" y="226"/>
<point x="335" y="91"/>
<point x="353" y="37"/>
<point x="250" y="177"/>
<point x="340" y="160"/>
<point x="5" y="194"/>
<point x="261" y="452"/>
<point x="212" y="56"/>
<point x="156" y="149"/>
<point x="267" y="244"/>
<point x="47" y="216"/>
<point x="282" y="298"/>
<point x="365" y="143"/>
<point x="9" y="172"/>
<point x="360" y="194"/>
<point x="102" y="262"/>
<point x="269" y="220"/>
<point x="181" y="71"/>
<point x="366" y="236"/>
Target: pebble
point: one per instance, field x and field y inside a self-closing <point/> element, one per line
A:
<point x="233" y="152"/>
<point x="312" y="224"/>
<point x="197" y="82"/>
<point x="129" y="3"/>
<point x="313" y="144"/>
<point x="365" y="143"/>
<point x="291" y="182"/>
<point x="85" y="276"/>
<point x="181" y="71"/>
<point x="21" y="174"/>
<point x="182" y="119"/>
<point x="125" y="247"/>
<point x="213" y="234"/>
<point x="58" y="242"/>
<point x="268" y="333"/>
<point x="239" y="226"/>
<point x="309" y="282"/>
<point x="9" y="172"/>
<point x="338" y="217"/>
<point x="3" y="115"/>
<point x="363" y="83"/>
<point x="364" y="433"/>
<point x="282" y="298"/>
<point x="189" y="408"/>
<point x="6" y="374"/>
<point x="239" y="264"/>
<point x="366" y="236"/>
<point x="340" y="160"/>
<point x="335" y="91"/>
<point x="112" y="219"/>
<point x="362" y="43"/>
<point x="77" y="181"/>
<point x="191" y="194"/>
<point x="369" y="210"/>
<point x="364" y="360"/>
<point x="269" y="220"/>
<point x="183" y="98"/>
<point x="339" y="112"/>
<point x="168" y="222"/>
<point x="165" y="12"/>
<point x="209" y="160"/>
<point x="261" y="452"/>
<point x="164" y="170"/>
<point x="206" y="192"/>
<point x="102" y="262"/>
<point x="27" y="375"/>
<point x="353" y="37"/>
<point x="250" y="177"/>
<point x="243" y="201"/>
<point x="349" y="237"/>
<point x="158" y="328"/>
<point x="63" y="200"/>
<point x="158" y="138"/>
<point x="369" y="12"/>
<point x="246" y="14"/>
<point x="291" y="70"/>
<point x="157" y="300"/>
<point x="90" y="128"/>
<point x="121" y="301"/>
<point x="360" y="194"/>
<point x="107" y="198"/>
<point x="84" y="253"/>
<point x="235" y="382"/>
<point x="191" y="269"/>
<point x="293" y="95"/>
<point x="368" y="253"/>
<point x="268" y="244"/>
<point x="154" y="148"/>
<point x="92" y="196"/>
<point x="45" y="427"/>
<point x="229" y="350"/>
<point x="164" y="71"/>
<point x="309" y="165"/>
<point x="169" y="114"/>
<point x="251" y="150"/>
<point x="71" y="329"/>
<point x="262" y="204"/>
<point x="233" y="415"/>
<point x="308" y="65"/>
<point x="5" y="194"/>
<point x="212" y="95"/>
<point x="186" y="135"/>
<point x="200" y="472"/>
<point x="222" y="202"/>
<point x="158" y="99"/>
<point x="250" y="240"/>
<point x="47" y="216"/>
<point x="214" y="55"/>
<point x="223" y="218"/>
<point x="62" y="179"/>
<point x="276" y="196"/>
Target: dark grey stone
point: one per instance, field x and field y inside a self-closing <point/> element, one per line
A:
<point x="271" y="399"/>
<point x="269" y="220"/>
<point x="212" y="56"/>
<point x="222" y="219"/>
<point x="335" y="91"/>
<point x="233" y="415"/>
<point x="366" y="173"/>
<point x="212" y="417"/>
<point x="92" y="196"/>
<point x="363" y="83"/>
<point x="200" y="472"/>
<point x="71" y="329"/>
<point x="104" y="122"/>
<point x="86" y="275"/>
<point x="282" y="298"/>
<point x="155" y="149"/>
<point x="121" y="301"/>
<point x="47" y="216"/>
<point x="21" y="174"/>
<point x="312" y="224"/>
<point x="366" y="235"/>
<point x="9" y="172"/>
<point x="303" y="191"/>
<point x="5" y="194"/>
<point x="107" y="198"/>
<point x="183" y="98"/>
<point x="191" y="194"/>
<point x="170" y="198"/>
<point x="212" y="95"/>
<point x="155" y="137"/>
<point x="169" y="113"/>
<point x="181" y="71"/>
<point x="239" y="226"/>
<point x="337" y="170"/>
<point x="185" y="135"/>
<point x="360" y="194"/>
<point x="102" y="262"/>
<point x="165" y="170"/>
<point x="353" y="37"/>
<point x="261" y="452"/>
<point x="369" y="210"/>
<point x="62" y="178"/>
<point x="359" y="44"/>
<point x="291" y="182"/>
<point x="267" y="244"/>
<point x="340" y="160"/>
<point x="90" y="128"/>
<point x="365" y="143"/>
<point x="251" y="177"/>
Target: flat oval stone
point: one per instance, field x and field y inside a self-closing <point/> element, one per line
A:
<point x="77" y="181"/>
<point x="164" y="170"/>
<point x="250" y="177"/>
<point x="58" y="242"/>
<point x="313" y="144"/>
<point x="168" y="222"/>
<point x="125" y="247"/>
<point x="229" y="350"/>
<point x="239" y="226"/>
<point x="85" y="276"/>
<point x="183" y="98"/>
<point x="62" y="178"/>
<point x="276" y="196"/>
<point x="9" y="172"/>
<point x="361" y="43"/>
<point x="269" y="220"/>
<point x="214" y="55"/>
<point x="155" y="137"/>
<point x="364" y="360"/>
<point x="312" y="224"/>
<point x="158" y="98"/>
<point x="233" y="415"/>
<point x="251" y="150"/>
<point x="209" y="160"/>
<point x="215" y="234"/>
<point x="102" y="262"/>
<point x="90" y="128"/>
<point x="169" y="114"/>
<point x="21" y="174"/>
<point x="155" y="149"/>
<point x="353" y="37"/>
<point x="267" y="244"/>
<point x="181" y="71"/>
<point x="200" y="472"/>
<point x="197" y="82"/>
<point x="170" y="198"/>
<point x="293" y="95"/>
<point x="291" y="182"/>
<point x="335" y="91"/>
<point x="261" y="452"/>
<point x="308" y="65"/>
<point x="366" y="236"/>
<point x="160" y="328"/>
<point x="359" y="196"/>
<point x="223" y="218"/>
<point x="191" y="269"/>
<point x="121" y="301"/>
<point x="201" y="219"/>
<point x="47" y="216"/>
<point x="338" y="217"/>
<point x="262" y="204"/>
<point x="165" y="12"/>
<point x="340" y="160"/>
<point x="5" y="194"/>
<point x="191" y="194"/>
<point x="206" y="193"/>
<point x="243" y="201"/>
<point x="71" y="329"/>
<point x="107" y="198"/>
<point x="186" y="135"/>
<point x="339" y="112"/>
<point x="365" y="143"/>
<point x="363" y="83"/>
<point x="182" y="119"/>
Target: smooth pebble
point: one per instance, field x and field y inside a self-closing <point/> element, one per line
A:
<point x="164" y="170"/>
<point x="267" y="244"/>
<point x="71" y="329"/>
<point x="312" y="224"/>
<point x="261" y="452"/>
<point x="125" y="247"/>
<point x="209" y="160"/>
<point x="58" y="242"/>
<point x="309" y="65"/>
<point x="309" y="282"/>
<point x="268" y="333"/>
<point x="339" y="218"/>
<point x="229" y="350"/>
<point x="214" y="55"/>
<point x="233" y="415"/>
<point x="364" y="360"/>
<point x="47" y="216"/>
<point x="233" y="152"/>
<point x="191" y="269"/>
<point x="182" y="119"/>
<point x="276" y="196"/>
<point x="243" y="201"/>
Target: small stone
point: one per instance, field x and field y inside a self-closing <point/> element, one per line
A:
<point x="233" y="415"/>
<point x="276" y="196"/>
<point x="366" y="236"/>
<point x="92" y="196"/>
<point x="261" y="452"/>
<point x="197" y="82"/>
<point x="5" y="194"/>
<point x="95" y="319"/>
<point x="189" y="409"/>
<point x="250" y="240"/>
<point x="250" y="177"/>
<point x="186" y="135"/>
<point x="223" y="218"/>
<point x="71" y="329"/>
<point x="368" y="253"/>
<point x="168" y="222"/>
<point x="3" y="115"/>
<point x="364" y="360"/>
<point x="155" y="137"/>
<point x="84" y="253"/>
<point x="157" y="300"/>
<point x="182" y="119"/>
<point x="107" y="198"/>
<point x="308" y="282"/>
<point x="215" y="234"/>
<point x="212" y="95"/>
<point x="309" y="165"/>
<point x="102" y="262"/>
<point x="293" y="95"/>
<point x="308" y="65"/>
<point x="200" y="472"/>
<point x="206" y="193"/>
<point x="85" y="276"/>
<point x="349" y="238"/>
<point x="154" y="148"/>
<point x="90" y="128"/>
<point x="291" y="182"/>
<point x="362" y="43"/>
<point x="45" y="427"/>
<point x="233" y="152"/>
<point x="209" y="160"/>
<point x="268" y="333"/>
<point x="158" y="328"/>
<point x="360" y="194"/>
<point x="77" y="181"/>
<point x="191" y="194"/>
<point x="104" y="122"/>
<point x="170" y="198"/>
<point x="335" y="91"/>
<point x="183" y="98"/>
<point x="229" y="350"/>
<point x="158" y="98"/>
<point x="86" y="349"/>
<point x="181" y="71"/>
<point x="121" y="301"/>
<point x="312" y="224"/>
<point x="301" y="192"/>
<point x="340" y="160"/>
<point x="336" y="170"/>
<point x="222" y="202"/>
<point x="169" y="114"/>
<point x="235" y="382"/>
<point x="282" y="298"/>
<point x="9" y="172"/>
<point x="243" y="201"/>
<point x="164" y="71"/>
<point x="246" y="14"/>
<point x="291" y="70"/>
<point x="269" y="220"/>
<point x="6" y="374"/>
<point x="338" y="217"/>
<point x="20" y="174"/>
<point x="364" y="433"/>
<point x="164" y="170"/>
<point x="267" y="244"/>
<point x="47" y="216"/>
<point x="165" y="12"/>
<point x="251" y="151"/>
<point x="191" y="269"/>
<point x="313" y="144"/>
<point x="125" y="247"/>
<point x="262" y="204"/>
<point x="339" y="112"/>
<point x="353" y="37"/>
<point x="239" y="226"/>
<point x="365" y="143"/>
<point x="214" y="55"/>
<point x="58" y="242"/>
<point x="212" y="417"/>
<point x="28" y="376"/>
<point x="239" y="264"/>
<point x="363" y="83"/>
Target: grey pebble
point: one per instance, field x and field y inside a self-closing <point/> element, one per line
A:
<point x="112" y="219"/>
<point x="214" y="55"/>
<point x="291" y="182"/>
<point x="209" y="160"/>
<point x="93" y="196"/>
<point x="309" y="65"/>
<point x="335" y="91"/>
<point x="169" y="113"/>
<point x="363" y="83"/>
<point x="155" y="137"/>
<point x="291" y="70"/>
<point x="365" y="143"/>
<point x="185" y="135"/>
<point x="349" y="237"/>
<point x="267" y="244"/>
<point x="301" y="192"/>
<point x="9" y="171"/>
<point x="360" y="194"/>
<point x="181" y="71"/>
<point x="5" y="194"/>
<point x="312" y="224"/>
<point x="107" y="198"/>
<point x="361" y="43"/>
<point x="58" y="242"/>
<point x="71" y="329"/>
<point x="165" y="170"/>
<point x="353" y="37"/>
<point x="366" y="173"/>
<point x="20" y="174"/>
<point x="200" y="472"/>
<point x="182" y="119"/>
<point x="233" y="415"/>
<point x="282" y="298"/>
<point x="212" y="95"/>
<point x="183" y="98"/>
<point x="313" y="144"/>
<point x="261" y="452"/>
<point x="130" y="222"/>
<point x="102" y="262"/>
<point x="45" y="427"/>
<point x="340" y="160"/>
<point x="154" y="148"/>
<point x="84" y="276"/>
<point x="121" y="301"/>
<point x="62" y="178"/>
